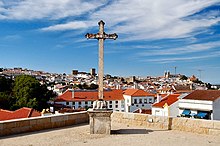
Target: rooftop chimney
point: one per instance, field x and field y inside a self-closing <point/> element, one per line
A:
<point x="158" y="98"/>
<point x="72" y="93"/>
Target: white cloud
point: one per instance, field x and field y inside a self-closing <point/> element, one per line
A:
<point x="67" y="26"/>
<point x="189" y="58"/>
<point x="182" y="50"/>
<point x="135" y="19"/>
<point x="51" y="9"/>
<point x="155" y="19"/>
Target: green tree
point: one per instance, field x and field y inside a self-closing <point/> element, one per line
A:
<point x="5" y="84"/>
<point x="30" y="93"/>
<point x="6" y="99"/>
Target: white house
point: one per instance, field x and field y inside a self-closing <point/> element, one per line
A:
<point x="137" y="99"/>
<point x="203" y="104"/>
<point x="84" y="99"/>
<point x="167" y="106"/>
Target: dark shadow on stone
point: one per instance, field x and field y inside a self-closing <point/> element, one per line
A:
<point x="41" y="131"/>
<point x="170" y="123"/>
<point x="131" y="131"/>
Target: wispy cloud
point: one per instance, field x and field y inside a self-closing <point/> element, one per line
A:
<point x="51" y="9"/>
<point x="156" y="19"/>
<point x="12" y="37"/>
<point x="189" y="58"/>
<point x="66" y="26"/>
<point x="192" y="48"/>
<point x="138" y="19"/>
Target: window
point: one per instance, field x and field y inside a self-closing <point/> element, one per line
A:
<point x="116" y="101"/>
<point x="140" y="100"/>
<point x="135" y="101"/>
<point x="145" y="100"/>
<point x="136" y="105"/>
<point x="110" y="106"/>
<point x="110" y="102"/>
<point x="67" y="103"/>
<point x="79" y="103"/>
<point x="116" y="106"/>
<point x="73" y="103"/>
<point x="86" y="102"/>
<point x="150" y="100"/>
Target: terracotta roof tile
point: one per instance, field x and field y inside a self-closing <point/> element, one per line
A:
<point x="89" y="95"/>
<point x="20" y="113"/>
<point x="210" y="95"/>
<point x="169" y="99"/>
<point x="137" y="92"/>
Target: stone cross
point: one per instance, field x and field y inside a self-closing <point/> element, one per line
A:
<point x="101" y="36"/>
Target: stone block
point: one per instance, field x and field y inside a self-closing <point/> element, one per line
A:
<point x="23" y="123"/>
<point x="46" y="120"/>
<point x="70" y="122"/>
<point x="128" y="116"/>
<point x="216" y="124"/>
<point x="20" y="129"/>
<point x="207" y="124"/>
<point x="140" y="117"/>
<point x="6" y="132"/>
<point x="59" y="118"/>
<point x="33" y="122"/>
<point x="193" y="123"/>
<point x="100" y="121"/>
<point x="58" y="124"/>
<point x="214" y="132"/>
<point x="72" y="117"/>
<point x="1" y="126"/>
<point x="117" y="115"/>
<point x="9" y="125"/>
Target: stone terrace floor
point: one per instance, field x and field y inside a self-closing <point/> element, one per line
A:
<point x="122" y="136"/>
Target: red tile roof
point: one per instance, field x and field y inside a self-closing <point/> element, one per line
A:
<point x="210" y="95"/>
<point x="137" y="92"/>
<point x="169" y="99"/>
<point x="89" y="95"/>
<point x="20" y="113"/>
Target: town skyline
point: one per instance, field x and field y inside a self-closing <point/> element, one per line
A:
<point x="154" y="36"/>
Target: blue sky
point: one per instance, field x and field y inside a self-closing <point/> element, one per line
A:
<point x="154" y="36"/>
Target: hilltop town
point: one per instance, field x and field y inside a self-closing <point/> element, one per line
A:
<point x="164" y="95"/>
<point x="59" y="83"/>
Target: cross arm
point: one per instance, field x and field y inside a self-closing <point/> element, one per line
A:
<point x="101" y="36"/>
<point x="111" y="36"/>
<point x="91" y="36"/>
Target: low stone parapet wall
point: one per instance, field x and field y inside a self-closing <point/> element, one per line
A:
<point x="211" y="127"/>
<point x="40" y="123"/>
<point x="145" y="120"/>
<point x="168" y="123"/>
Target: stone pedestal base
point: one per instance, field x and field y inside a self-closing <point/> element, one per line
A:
<point x="100" y="121"/>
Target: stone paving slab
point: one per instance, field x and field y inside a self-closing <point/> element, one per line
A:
<point x="122" y="135"/>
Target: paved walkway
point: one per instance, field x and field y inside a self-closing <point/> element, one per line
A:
<point x="122" y="136"/>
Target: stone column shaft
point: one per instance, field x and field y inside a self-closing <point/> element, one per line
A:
<point x="101" y="60"/>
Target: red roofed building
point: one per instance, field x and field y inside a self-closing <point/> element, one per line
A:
<point x="18" y="114"/>
<point x="137" y="99"/>
<point x="84" y="98"/>
<point x="204" y="104"/>
<point x="167" y="106"/>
